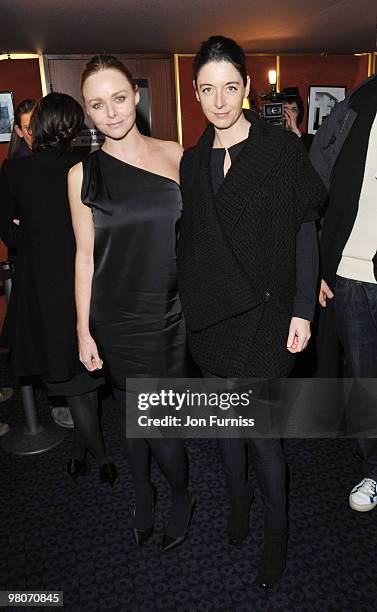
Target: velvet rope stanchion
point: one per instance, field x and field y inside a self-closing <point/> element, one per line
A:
<point x="33" y="437"/>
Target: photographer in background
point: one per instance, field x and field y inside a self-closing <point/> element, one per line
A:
<point x="293" y="116"/>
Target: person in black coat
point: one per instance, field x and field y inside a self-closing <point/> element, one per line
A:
<point x="247" y="268"/>
<point x="40" y="325"/>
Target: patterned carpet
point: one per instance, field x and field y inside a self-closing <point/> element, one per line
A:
<point x="55" y="534"/>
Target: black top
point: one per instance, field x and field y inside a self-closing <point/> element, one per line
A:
<point x="135" y="313"/>
<point x="307" y="256"/>
<point x="40" y="326"/>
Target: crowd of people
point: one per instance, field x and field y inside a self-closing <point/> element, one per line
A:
<point x="144" y="260"/>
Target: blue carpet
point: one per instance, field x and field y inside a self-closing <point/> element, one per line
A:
<point x="56" y="535"/>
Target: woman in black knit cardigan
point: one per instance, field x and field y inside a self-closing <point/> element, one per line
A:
<point x="248" y="268"/>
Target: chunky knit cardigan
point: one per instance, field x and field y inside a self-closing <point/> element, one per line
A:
<point x="236" y="259"/>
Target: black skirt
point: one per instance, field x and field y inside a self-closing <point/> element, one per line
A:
<point x="78" y="385"/>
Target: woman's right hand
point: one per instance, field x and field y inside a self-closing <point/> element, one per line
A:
<point x="324" y="293"/>
<point x="88" y="353"/>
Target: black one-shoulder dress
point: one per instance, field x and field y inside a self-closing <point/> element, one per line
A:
<point x="135" y="313"/>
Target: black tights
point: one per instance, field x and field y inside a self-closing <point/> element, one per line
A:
<point x="270" y="470"/>
<point x="171" y="457"/>
<point x="269" y="466"/>
<point x="87" y="433"/>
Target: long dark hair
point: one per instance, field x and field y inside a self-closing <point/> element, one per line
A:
<point x="26" y="106"/>
<point x="217" y="49"/>
<point x="56" y="121"/>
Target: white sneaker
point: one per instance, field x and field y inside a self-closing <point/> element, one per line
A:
<point x="363" y="496"/>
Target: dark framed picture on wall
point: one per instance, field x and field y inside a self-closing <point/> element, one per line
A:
<point x="143" y="111"/>
<point x="6" y="115"/>
<point x="321" y="101"/>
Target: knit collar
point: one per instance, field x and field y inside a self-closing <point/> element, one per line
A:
<point x="248" y="170"/>
<point x="208" y="136"/>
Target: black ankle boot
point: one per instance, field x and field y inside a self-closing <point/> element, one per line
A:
<point x="171" y="541"/>
<point x="274" y="557"/>
<point x="238" y="520"/>
<point x="76" y="468"/>
<point x="108" y="473"/>
<point x="142" y="535"/>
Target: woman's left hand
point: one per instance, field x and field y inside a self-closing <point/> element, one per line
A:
<point x="299" y="335"/>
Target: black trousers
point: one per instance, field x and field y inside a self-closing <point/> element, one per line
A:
<point x="270" y="470"/>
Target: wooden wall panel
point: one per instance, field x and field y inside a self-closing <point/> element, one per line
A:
<point x="193" y="120"/>
<point x="258" y="67"/>
<point x="338" y="70"/>
<point x="64" y="73"/>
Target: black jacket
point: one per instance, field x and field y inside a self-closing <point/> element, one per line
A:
<point x="338" y="154"/>
<point x="236" y="260"/>
<point x="331" y="136"/>
<point x="40" y="326"/>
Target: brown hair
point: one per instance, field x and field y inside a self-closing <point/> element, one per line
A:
<point x="103" y="62"/>
<point x="26" y="106"/>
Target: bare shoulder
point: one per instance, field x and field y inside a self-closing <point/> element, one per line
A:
<point x="75" y="177"/>
<point x="172" y="150"/>
<point x="75" y="173"/>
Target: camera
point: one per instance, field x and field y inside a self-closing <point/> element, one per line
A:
<point x="273" y="112"/>
<point x="273" y="109"/>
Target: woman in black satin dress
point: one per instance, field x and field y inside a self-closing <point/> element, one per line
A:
<point x="126" y="207"/>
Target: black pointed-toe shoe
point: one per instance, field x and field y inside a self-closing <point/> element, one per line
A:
<point x="142" y="535"/>
<point x="238" y="520"/>
<point x="108" y="473"/>
<point x="77" y="469"/>
<point x="274" y="558"/>
<point x="168" y="541"/>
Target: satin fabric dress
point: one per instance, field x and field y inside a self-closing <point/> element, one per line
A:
<point x="135" y="312"/>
